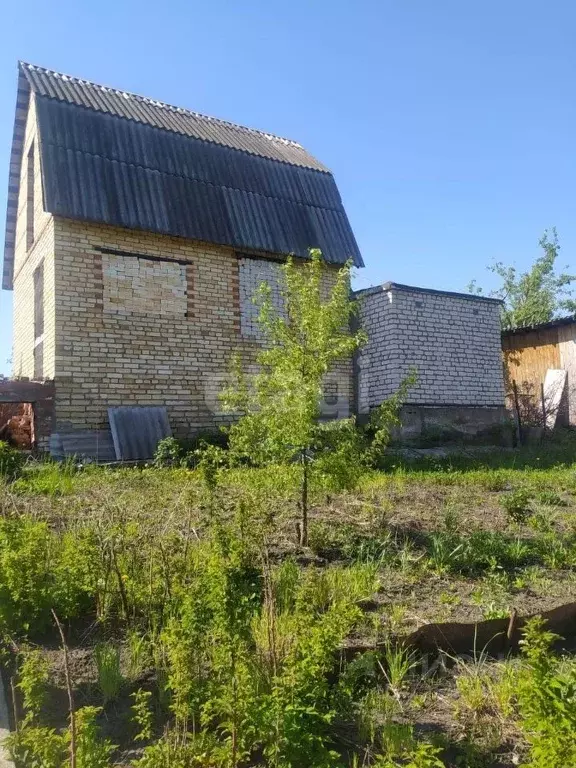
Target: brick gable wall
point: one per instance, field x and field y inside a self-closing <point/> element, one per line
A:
<point x="28" y="256"/>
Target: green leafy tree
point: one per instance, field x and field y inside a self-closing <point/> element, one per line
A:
<point x="280" y="407"/>
<point x="537" y="295"/>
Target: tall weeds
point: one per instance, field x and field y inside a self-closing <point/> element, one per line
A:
<point x="233" y="646"/>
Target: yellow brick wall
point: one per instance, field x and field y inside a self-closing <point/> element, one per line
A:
<point x="139" y="354"/>
<point x="26" y="259"/>
<point x="117" y="348"/>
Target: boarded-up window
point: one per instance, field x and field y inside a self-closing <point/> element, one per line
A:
<point x="38" y="301"/>
<point x="39" y="359"/>
<point x="254" y="272"/>
<point x="38" y="278"/>
<point x="144" y="286"/>
<point x="30" y="199"/>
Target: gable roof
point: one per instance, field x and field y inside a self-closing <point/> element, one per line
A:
<point x="113" y="157"/>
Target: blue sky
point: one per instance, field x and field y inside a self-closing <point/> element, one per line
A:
<point x="450" y="125"/>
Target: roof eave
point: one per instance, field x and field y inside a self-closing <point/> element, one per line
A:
<point x="390" y="286"/>
<point x="560" y="322"/>
<point x="22" y="104"/>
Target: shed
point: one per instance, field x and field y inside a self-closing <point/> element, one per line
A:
<point x="531" y="353"/>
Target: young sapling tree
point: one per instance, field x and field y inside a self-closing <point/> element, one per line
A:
<point x="280" y="407"/>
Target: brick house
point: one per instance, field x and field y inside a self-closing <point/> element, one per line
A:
<point x="136" y="235"/>
<point x="134" y="229"/>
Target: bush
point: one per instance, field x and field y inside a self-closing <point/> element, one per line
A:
<point x="171" y="452"/>
<point x="11" y="462"/>
<point x="40" y="571"/>
<point x="42" y="747"/>
<point x="546" y="697"/>
<point x="24" y="574"/>
<point x="36" y="747"/>
<point x="168" y="453"/>
<point x="517" y="505"/>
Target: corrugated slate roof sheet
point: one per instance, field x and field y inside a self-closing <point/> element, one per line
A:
<point x="139" y="109"/>
<point x="137" y="430"/>
<point x="559" y="322"/>
<point x="124" y="160"/>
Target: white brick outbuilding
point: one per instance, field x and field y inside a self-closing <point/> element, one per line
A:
<point x="451" y="341"/>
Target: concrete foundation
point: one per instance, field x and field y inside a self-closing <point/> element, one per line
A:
<point x="429" y="425"/>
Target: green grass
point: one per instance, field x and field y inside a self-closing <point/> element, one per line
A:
<point x="203" y="600"/>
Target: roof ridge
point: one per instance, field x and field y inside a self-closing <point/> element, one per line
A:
<point x="162" y="104"/>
